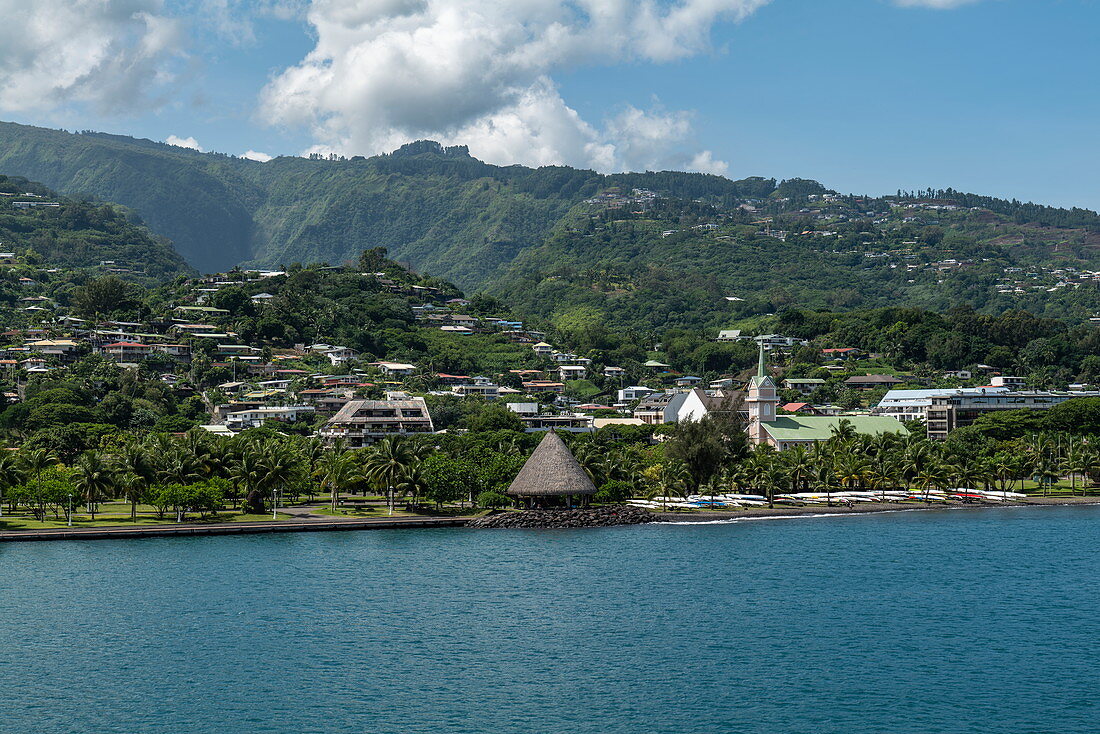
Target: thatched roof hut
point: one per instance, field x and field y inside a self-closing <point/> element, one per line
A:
<point x="551" y="472"/>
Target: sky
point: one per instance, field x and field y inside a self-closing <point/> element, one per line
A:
<point x="867" y="96"/>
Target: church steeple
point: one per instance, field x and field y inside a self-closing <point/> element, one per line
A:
<point x="762" y="399"/>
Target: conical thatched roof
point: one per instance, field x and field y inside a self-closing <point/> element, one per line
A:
<point x="551" y="472"/>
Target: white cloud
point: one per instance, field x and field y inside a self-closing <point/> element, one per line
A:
<point x="184" y="143"/>
<point x="255" y="155"/>
<point x="480" y="72"/>
<point x="112" y="54"/>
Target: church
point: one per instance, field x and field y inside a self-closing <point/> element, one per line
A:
<point x="787" y="431"/>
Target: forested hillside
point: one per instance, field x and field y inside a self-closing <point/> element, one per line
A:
<point x="643" y="250"/>
<point x="40" y="226"/>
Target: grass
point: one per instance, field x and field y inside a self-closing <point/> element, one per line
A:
<point x="104" y="520"/>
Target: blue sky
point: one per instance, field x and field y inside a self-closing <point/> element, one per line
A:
<point x="991" y="96"/>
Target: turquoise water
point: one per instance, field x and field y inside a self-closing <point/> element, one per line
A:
<point x="912" y="622"/>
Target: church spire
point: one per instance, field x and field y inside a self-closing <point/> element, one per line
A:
<point x="760" y="366"/>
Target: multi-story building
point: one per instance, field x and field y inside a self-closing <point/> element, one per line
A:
<point x="255" y="417"/>
<point x="945" y="410"/>
<point x="365" y="422"/>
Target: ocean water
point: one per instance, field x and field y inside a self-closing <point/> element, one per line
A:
<point x="945" y="621"/>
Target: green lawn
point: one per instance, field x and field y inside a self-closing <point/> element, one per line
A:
<point x="27" y="522"/>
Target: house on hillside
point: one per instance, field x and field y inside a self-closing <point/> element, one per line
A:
<point x="240" y="420"/>
<point x="634" y="392"/>
<point x="804" y="385"/>
<point x="395" y="369"/>
<point x="842" y="354"/>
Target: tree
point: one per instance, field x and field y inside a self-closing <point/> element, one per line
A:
<point x="135" y="463"/>
<point x="387" y="461"/>
<point x="93" y="477"/>
<point x="706" y="446"/>
<point x="105" y="295"/>
<point x="338" y="472"/>
<point x="12" y="473"/>
<point x="35" y="462"/>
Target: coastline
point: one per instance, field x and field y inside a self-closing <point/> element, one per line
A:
<point x="109" y="532"/>
<point x="767" y="513"/>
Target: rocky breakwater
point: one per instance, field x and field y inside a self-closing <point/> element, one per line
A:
<point x="596" y="517"/>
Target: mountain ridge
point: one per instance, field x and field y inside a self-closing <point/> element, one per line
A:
<point x="638" y="248"/>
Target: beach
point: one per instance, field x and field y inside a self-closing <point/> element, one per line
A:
<point x="863" y="508"/>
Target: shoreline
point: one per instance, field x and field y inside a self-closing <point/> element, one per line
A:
<point x="109" y="532"/>
<point x="768" y="513"/>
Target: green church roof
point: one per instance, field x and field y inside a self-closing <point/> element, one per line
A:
<point x="820" y="427"/>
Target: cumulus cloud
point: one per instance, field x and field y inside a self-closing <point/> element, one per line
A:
<point x="184" y="143"/>
<point x="255" y="155"/>
<point x="480" y="72"/>
<point x="112" y="54"/>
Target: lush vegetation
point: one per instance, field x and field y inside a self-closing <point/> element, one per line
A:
<point x="80" y="234"/>
<point x="529" y="235"/>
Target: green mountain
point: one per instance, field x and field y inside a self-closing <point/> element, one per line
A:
<point x="438" y="208"/>
<point x="46" y="228"/>
<point x="643" y="250"/>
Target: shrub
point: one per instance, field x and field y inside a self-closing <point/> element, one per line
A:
<point x="614" y="491"/>
<point x="493" y="500"/>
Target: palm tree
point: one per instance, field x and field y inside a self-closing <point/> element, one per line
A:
<point x="35" y="462"/>
<point x="932" y="477"/>
<point x="387" y="461"/>
<point x="1076" y="462"/>
<point x="248" y="472"/>
<point x="851" y="468"/>
<point x="412" y="482"/>
<point x="136" y="464"/>
<point x="843" y="431"/>
<point x="93" y="477"/>
<point x="12" y="474"/>
<point x="338" y="472"/>
<point x="799" y="466"/>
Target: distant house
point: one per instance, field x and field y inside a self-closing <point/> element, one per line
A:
<point x="634" y="392"/>
<point x="537" y="422"/>
<point x="842" y="354"/>
<point x="660" y="407"/>
<point x="571" y="372"/>
<point x="871" y="382"/>
<point x="254" y="417"/>
<point x="614" y="371"/>
<point x="548" y="386"/>
<point x="395" y="369"/>
<point x="339" y="355"/>
<point x="452" y="329"/>
<point x="698" y="404"/>
<point x="804" y="385"/>
<point x="803" y="408"/>
<point x="542" y="349"/>
<point x="126" y="351"/>
<point x="65" y="349"/>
